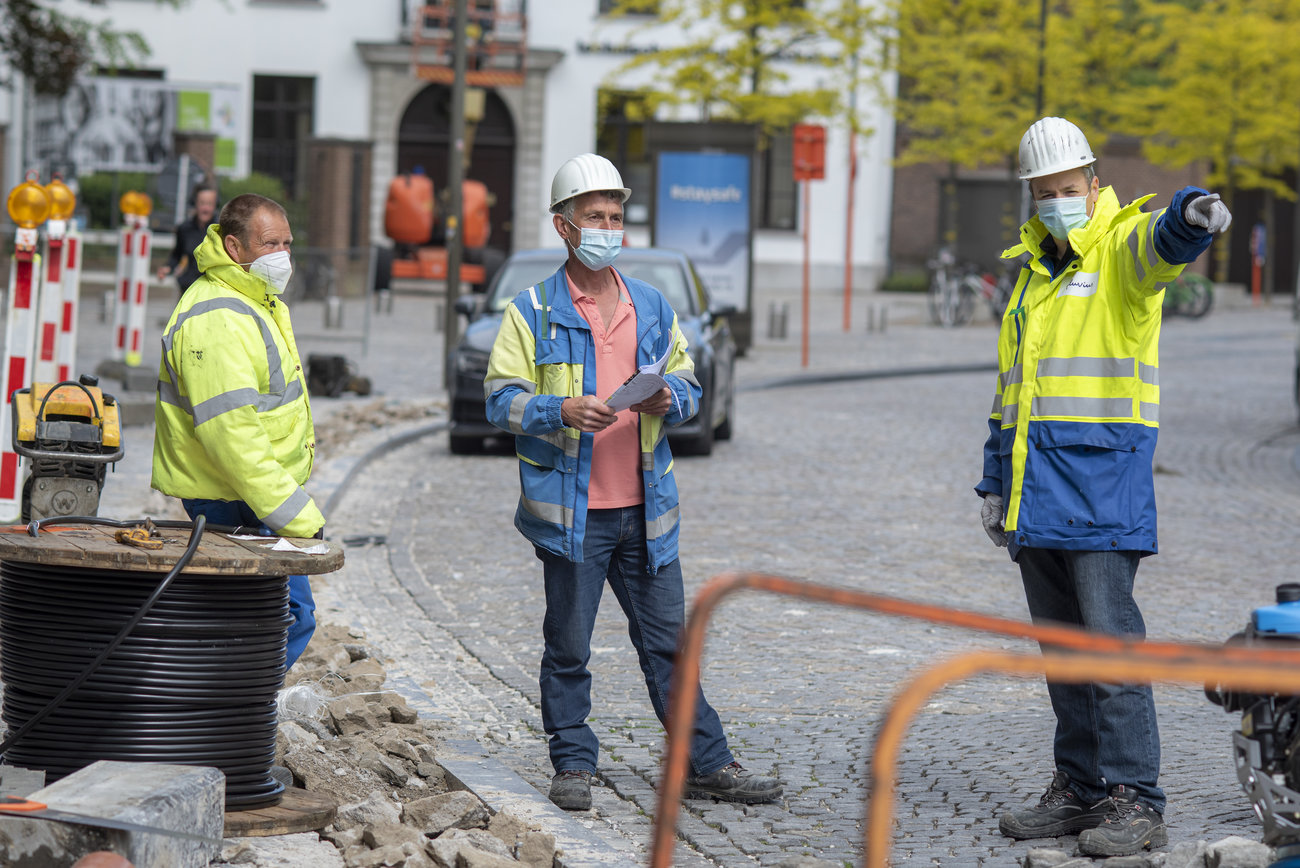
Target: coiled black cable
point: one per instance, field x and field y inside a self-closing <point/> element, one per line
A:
<point x="193" y="666"/>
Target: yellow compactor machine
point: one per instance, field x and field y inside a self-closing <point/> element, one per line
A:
<point x="69" y="433"/>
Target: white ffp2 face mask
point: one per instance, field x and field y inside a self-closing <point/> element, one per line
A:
<point x="275" y="268"/>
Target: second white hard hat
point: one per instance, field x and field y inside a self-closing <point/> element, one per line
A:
<point x="585" y="173"/>
<point x="1053" y="145"/>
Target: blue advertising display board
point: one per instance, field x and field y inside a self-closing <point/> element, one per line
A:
<point x="702" y="208"/>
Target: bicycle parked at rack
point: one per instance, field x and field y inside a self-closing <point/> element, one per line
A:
<point x="1189" y="295"/>
<point x="955" y="288"/>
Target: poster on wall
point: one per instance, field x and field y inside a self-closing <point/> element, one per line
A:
<point x="125" y="125"/>
<point x="702" y="208"/>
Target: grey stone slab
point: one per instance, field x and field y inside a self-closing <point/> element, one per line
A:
<point x="187" y="799"/>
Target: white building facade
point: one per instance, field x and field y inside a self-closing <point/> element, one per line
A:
<point x="266" y="75"/>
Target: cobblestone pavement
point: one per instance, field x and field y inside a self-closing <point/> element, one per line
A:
<point x="857" y="484"/>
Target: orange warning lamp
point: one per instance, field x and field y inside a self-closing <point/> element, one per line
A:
<point x="62" y="200"/>
<point x="29" y="204"/>
<point x="135" y="203"/>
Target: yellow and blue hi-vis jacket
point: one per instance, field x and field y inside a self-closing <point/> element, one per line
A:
<point x="1072" y="433"/>
<point x="543" y="354"/>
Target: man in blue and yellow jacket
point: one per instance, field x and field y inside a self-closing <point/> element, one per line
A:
<point x="599" y="502"/>
<point x="233" y="430"/>
<point x="1067" y="483"/>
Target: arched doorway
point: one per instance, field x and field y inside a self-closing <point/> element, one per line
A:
<point x="423" y="139"/>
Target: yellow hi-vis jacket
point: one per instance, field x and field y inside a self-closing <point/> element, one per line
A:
<point x="232" y="417"/>
<point x="1076" y="407"/>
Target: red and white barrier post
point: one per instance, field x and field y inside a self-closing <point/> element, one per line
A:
<point x="29" y="206"/>
<point x="132" y="277"/>
<point x="67" y="346"/>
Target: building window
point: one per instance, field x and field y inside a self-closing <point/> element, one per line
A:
<point x="776" y="193"/>
<point x="283" y="108"/>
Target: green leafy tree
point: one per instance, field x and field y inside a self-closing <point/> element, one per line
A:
<point x="1230" y="96"/>
<point x="50" y="47"/>
<point x="735" y="61"/>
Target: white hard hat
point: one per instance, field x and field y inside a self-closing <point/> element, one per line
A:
<point x="584" y="174"/>
<point x="1053" y="145"/>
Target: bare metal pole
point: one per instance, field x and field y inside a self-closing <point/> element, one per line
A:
<point x="455" y="177"/>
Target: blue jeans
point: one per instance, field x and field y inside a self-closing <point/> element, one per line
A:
<point x="1106" y="734"/>
<point x="302" y="606"/>
<point x="614" y="550"/>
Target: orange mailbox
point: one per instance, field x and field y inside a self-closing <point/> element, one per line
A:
<point x="809" y="152"/>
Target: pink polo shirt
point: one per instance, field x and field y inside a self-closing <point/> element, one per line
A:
<point x="616" y="457"/>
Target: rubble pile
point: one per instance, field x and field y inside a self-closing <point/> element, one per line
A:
<point x="341" y="734"/>
<point x="339" y="427"/>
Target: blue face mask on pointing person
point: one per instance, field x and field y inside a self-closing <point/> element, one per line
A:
<point x="599" y="247"/>
<point x="1063" y="214"/>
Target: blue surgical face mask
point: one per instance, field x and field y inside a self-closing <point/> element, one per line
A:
<point x="599" y="247"/>
<point x="1063" y="214"/>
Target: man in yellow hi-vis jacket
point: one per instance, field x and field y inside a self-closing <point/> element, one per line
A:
<point x="1067" y="483"/>
<point x="234" y="437"/>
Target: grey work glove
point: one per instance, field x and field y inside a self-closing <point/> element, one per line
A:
<point x="1208" y="213"/>
<point x="991" y="515"/>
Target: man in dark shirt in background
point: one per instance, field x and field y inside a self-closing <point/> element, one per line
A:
<point x="189" y="235"/>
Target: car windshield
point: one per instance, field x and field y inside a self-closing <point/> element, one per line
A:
<point x="663" y="273"/>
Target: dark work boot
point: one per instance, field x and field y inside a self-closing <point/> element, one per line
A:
<point x="1128" y="826"/>
<point x="571" y="790"/>
<point x="732" y="783"/>
<point x="1058" y="812"/>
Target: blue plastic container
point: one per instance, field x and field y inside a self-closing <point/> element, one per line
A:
<point x="1282" y="619"/>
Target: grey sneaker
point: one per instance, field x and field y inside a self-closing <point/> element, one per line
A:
<point x="571" y="790"/>
<point x="1129" y="826"/>
<point x="732" y="783"/>
<point x="1058" y="812"/>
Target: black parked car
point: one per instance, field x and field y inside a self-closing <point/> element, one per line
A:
<point x="710" y="342"/>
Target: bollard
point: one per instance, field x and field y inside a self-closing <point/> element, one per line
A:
<point x="778" y="318"/>
<point x="333" y="312"/>
<point x="877" y="316"/>
<point x="384" y="301"/>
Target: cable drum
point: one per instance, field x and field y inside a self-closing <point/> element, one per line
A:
<point x="194" y="683"/>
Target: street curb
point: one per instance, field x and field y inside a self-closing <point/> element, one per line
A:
<point x="469" y="767"/>
<point x="466" y="763"/>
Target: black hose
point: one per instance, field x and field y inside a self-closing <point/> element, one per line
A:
<point x="187" y="676"/>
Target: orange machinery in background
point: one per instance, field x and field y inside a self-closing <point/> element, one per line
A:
<point x="409" y="214"/>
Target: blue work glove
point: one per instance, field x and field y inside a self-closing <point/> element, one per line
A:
<point x="991" y="515"/>
<point x="1208" y="213"/>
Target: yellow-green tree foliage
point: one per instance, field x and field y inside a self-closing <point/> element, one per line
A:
<point x="736" y="60"/>
<point x="1230" y="92"/>
<point x="974" y="74"/>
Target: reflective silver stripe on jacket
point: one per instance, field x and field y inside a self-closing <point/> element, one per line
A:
<point x="655" y="528"/>
<point x="1085" y="366"/>
<point x="1088" y="408"/>
<point x="997" y="406"/>
<point x="1150" y="412"/>
<point x="1149" y="374"/>
<point x="287" y="511"/>
<point x="1152" y="260"/>
<point x="562" y="441"/>
<point x="518" y="404"/>
<point x="1010" y="412"/>
<point x="491" y="387"/>
<point x="552" y="512"/>
<point x="277" y="396"/>
<point x="1012" y="375"/>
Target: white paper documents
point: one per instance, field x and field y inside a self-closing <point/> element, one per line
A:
<point x="643" y="384"/>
